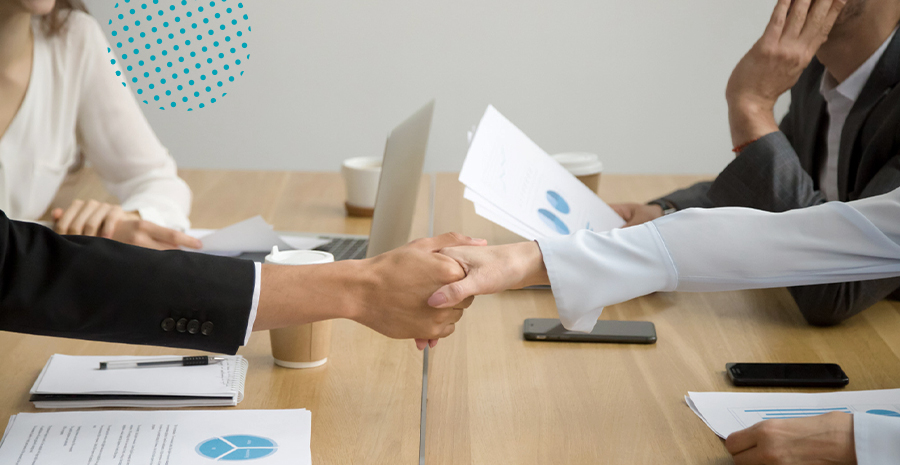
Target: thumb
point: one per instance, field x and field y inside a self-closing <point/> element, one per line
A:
<point x="454" y="293"/>
<point x="56" y="214"/>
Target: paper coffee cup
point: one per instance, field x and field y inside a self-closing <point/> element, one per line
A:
<point x="361" y="176"/>
<point x="587" y="167"/>
<point x="304" y="346"/>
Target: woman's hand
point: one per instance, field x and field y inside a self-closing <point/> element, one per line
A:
<point x="93" y="218"/>
<point x="490" y="270"/>
<point x="820" y="439"/>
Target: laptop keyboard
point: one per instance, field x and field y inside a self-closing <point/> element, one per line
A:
<point x="346" y="248"/>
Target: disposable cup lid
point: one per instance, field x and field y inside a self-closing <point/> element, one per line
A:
<point x="298" y="257"/>
<point x="580" y="163"/>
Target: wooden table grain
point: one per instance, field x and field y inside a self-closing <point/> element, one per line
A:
<point x="495" y="398"/>
<point x="365" y="401"/>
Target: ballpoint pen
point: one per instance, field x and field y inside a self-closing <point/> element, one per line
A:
<point x="162" y="362"/>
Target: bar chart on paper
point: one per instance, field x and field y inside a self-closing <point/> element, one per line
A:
<point x="748" y="417"/>
<point x="727" y="412"/>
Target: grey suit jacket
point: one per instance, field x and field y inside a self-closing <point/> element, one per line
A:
<point x="779" y="172"/>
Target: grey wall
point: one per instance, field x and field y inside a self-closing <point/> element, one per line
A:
<point x="639" y="81"/>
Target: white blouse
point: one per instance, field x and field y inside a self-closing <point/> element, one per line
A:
<point x="719" y="249"/>
<point x="75" y="103"/>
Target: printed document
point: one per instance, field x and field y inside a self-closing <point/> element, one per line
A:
<point x="273" y="437"/>
<point x="517" y="185"/>
<point x="727" y="412"/>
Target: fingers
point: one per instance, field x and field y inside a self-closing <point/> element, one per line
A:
<point x="170" y="237"/>
<point x="741" y="441"/>
<point x="466" y="303"/>
<point x="96" y="219"/>
<point x="796" y="18"/>
<point x="752" y="456"/>
<point x="56" y="214"/>
<point x="775" y="27"/>
<point x="113" y="218"/>
<point x="422" y="343"/>
<point x="453" y="294"/>
<point x="624" y="210"/>
<point x="65" y="220"/>
<point x="821" y="19"/>
<point x="448" y="330"/>
<point x="435" y="244"/>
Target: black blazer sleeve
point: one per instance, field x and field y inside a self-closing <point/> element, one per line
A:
<point x="102" y="290"/>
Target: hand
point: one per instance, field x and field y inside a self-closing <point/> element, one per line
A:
<point x="491" y="269"/>
<point x="823" y="439"/>
<point x="93" y="218"/>
<point x="794" y="34"/>
<point x="635" y="213"/>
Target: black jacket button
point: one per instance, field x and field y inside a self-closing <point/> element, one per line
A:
<point x="168" y="324"/>
<point x="207" y="328"/>
<point x="193" y="326"/>
<point x="181" y="326"/>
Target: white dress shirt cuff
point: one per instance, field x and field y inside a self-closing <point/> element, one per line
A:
<point x="589" y="271"/>
<point x="254" y="305"/>
<point x="877" y="439"/>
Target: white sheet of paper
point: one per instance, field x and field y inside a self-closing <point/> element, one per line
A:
<point x="251" y="235"/>
<point x="508" y="169"/>
<point x="278" y="437"/>
<point x="728" y="412"/>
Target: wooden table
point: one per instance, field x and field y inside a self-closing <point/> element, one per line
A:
<point x="494" y="398"/>
<point x="365" y="401"/>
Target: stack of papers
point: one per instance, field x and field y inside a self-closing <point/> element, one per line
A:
<point x="251" y="235"/>
<point x="517" y="185"/>
<point x="76" y="382"/>
<point x="728" y="412"/>
<point x="279" y="437"/>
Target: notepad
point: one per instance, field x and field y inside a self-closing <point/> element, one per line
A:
<point x="76" y="382"/>
<point x="111" y="437"/>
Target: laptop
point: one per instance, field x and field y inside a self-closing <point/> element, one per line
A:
<point x="395" y="203"/>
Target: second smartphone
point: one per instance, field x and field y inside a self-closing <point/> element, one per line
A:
<point x="622" y="332"/>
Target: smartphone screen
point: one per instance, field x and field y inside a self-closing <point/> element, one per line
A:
<point x="623" y="332"/>
<point x="787" y="374"/>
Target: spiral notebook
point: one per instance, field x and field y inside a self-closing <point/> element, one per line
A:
<point x="76" y="382"/>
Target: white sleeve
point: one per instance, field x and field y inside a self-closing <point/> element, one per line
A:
<point x="254" y="305"/>
<point x="877" y="439"/>
<point x="116" y="138"/>
<point x="723" y="249"/>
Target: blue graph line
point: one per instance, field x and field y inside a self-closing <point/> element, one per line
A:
<point x="799" y="410"/>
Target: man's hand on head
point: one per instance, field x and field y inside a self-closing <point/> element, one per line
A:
<point x="794" y="34"/>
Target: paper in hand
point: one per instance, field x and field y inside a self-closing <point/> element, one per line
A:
<point x="517" y="185"/>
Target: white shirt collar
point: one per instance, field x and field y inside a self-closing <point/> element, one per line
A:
<point x="853" y="85"/>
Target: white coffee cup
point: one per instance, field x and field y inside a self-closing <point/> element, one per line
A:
<point x="361" y="176"/>
<point x="586" y="166"/>
<point x="304" y="346"/>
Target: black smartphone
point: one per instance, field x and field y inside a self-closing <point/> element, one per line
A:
<point x="623" y="332"/>
<point x="787" y="374"/>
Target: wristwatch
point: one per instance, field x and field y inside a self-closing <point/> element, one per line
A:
<point x="667" y="207"/>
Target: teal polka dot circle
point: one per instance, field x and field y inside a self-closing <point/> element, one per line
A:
<point x="180" y="54"/>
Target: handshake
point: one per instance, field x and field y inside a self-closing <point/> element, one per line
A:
<point x="417" y="291"/>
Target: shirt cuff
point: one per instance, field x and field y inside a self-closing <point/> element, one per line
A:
<point x="877" y="439"/>
<point x="589" y="271"/>
<point x="254" y="305"/>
